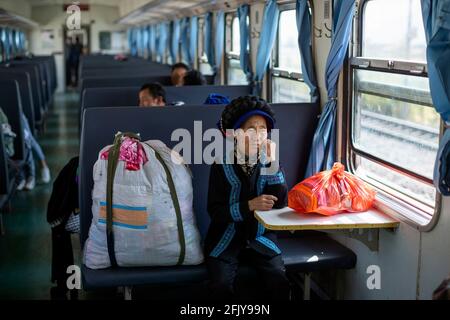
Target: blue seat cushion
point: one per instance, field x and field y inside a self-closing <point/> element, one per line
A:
<point x="297" y="251"/>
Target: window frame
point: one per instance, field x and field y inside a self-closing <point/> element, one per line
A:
<point x="229" y="54"/>
<point x="276" y="72"/>
<point x="406" y="208"/>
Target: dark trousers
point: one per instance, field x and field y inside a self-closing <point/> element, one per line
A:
<point x="271" y="272"/>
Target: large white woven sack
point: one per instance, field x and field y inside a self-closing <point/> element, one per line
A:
<point x="145" y="221"/>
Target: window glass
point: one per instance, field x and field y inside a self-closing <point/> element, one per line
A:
<point x="393" y="29"/>
<point x="235" y="74"/>
<point x="235" y="36"/>
<point x="287" y="90"/>
<point x="288" y="51"/>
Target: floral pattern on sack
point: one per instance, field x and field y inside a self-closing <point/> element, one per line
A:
<point x="132" y="152"/>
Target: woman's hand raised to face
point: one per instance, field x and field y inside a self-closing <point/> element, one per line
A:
<point x="269" y="148"/>
<point x="262" y="203"/>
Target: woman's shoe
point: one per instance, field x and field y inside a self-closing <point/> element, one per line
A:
<point x="31" y="183"/>
<point x="21" y="185"/>
<point x="45" y="175"/>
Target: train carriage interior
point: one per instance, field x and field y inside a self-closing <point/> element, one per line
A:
<point x="349" y="98"/>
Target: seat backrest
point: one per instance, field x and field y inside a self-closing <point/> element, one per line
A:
<point x="41" y="78"/>
<point x="50" y="63"/>
<point x="23" y="79"/>
<point x="33" y="72"/>
<point x="12" y="107"/>
<point x="192" y="95"/>
<point x="198" y="94"/>
<point x="126" y="71"/>
<point x="297" y="123"/>
<point x="109" y="82"/>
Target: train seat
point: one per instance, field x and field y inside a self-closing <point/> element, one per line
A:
<point x="129" y="96"/>
<point x="26" y="97"/>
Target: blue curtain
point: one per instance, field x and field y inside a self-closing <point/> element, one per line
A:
<point x="219" y="39"/>
<point x="305" y="46"/>
<point x="136" y="41"/>
<point x="436" y="20"/>
<point x="162" y="43"/>
<point x="132" y="42"/>
<point x="156" y="30"/>
<point x="13" y="41"/>
<point x="150" y="42"/>
<point x="244" y="32"/>
<point x="185" y="39"/>
<point x="322" y="154"/>
<point x="266" y="41"/>
<point x="207" y="43"/>
<point x="193" y="34"/>
<point x="175" y="44"/>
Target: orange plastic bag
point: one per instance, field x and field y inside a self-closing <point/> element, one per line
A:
<point x="331" y="192"/>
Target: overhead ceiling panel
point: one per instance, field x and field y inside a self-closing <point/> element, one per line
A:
<point x="35" y="3"/>
<point x="13" y="20"/>
<point x="162" y="10"/>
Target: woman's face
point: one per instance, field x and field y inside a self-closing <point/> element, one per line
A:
<point x="177" y="76"/>
<point x="252" y="135"/>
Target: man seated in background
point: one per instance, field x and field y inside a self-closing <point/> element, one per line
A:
<point x="177" y="74"/>
<point x="194" y="78"/>
<point x="152" y="95"/>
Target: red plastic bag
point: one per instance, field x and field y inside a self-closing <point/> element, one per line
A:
<point x="331" y="192"/>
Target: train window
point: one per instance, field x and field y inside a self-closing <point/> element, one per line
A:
<point x="145" y="40"/>
<point x="204" y="66"/>
<point x="287" y="82"/>
<point x="17" y="41"/>
<point x="405" y="40"/>
<point x="235" y="75"/>
<point x="104" y="38"/>
<point x="4" y="38"/>
<point x="395" y="129"/>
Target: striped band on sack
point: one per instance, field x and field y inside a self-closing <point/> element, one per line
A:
<point x="125" y="216"/>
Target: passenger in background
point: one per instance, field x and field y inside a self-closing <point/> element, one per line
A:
<point x="8" y="144"/>
<point x="27" y="177"/>
<point x="215" y="98"/>
<point x="152" y="95"/>
<point x="75" y="52"/>
<point x="194" y="78"/>
<point x="179" y="70"/>
<point x="67" y="46"/>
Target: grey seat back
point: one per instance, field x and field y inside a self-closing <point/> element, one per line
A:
<point x="129" y="96"/>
